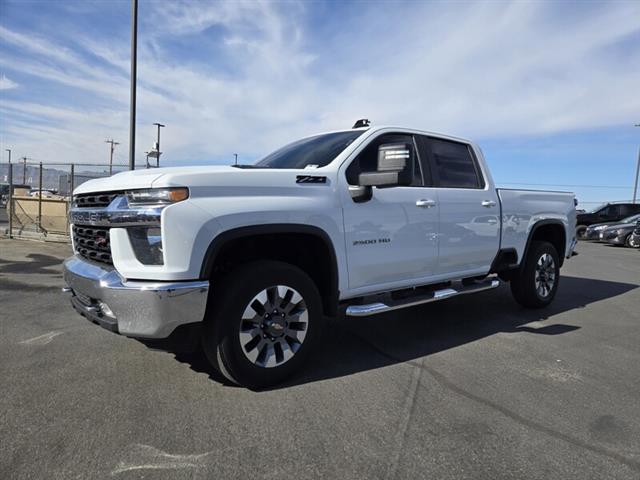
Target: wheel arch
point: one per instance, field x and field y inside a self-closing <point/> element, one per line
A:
<point x="305" y="246"/>
<point x="550" y="230"/>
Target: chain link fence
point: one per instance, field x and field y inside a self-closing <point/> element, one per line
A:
<point x="35" y="198"/>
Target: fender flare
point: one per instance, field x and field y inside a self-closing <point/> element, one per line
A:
<point x="536" y="226"/>
<point x="222" y="239"/>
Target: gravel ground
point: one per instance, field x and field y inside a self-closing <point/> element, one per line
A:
<point x="474" y="387"/>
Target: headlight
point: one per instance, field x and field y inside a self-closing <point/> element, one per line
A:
<point x="157" y="196"/>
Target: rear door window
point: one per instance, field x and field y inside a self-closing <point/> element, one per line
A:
<point x="453" y="164"/>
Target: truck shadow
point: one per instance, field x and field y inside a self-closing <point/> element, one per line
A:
<point x="354" y="345"/>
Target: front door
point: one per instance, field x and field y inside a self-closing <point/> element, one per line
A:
<point x="391" y="239"/>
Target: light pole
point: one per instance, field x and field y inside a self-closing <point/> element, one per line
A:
<point x="9" y="150"/>
<point x="113" y="144"/>
<point x="635" y="185"/>
<point x="159" y="125"/>
<point x="236" y="155"/>
<point x="132" y="99"/>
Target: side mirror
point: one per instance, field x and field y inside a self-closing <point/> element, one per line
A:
<point x="395" y="167"/>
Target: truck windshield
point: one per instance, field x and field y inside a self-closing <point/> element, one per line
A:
<point x="599" y="207"/>
<point x="313" y="151"/>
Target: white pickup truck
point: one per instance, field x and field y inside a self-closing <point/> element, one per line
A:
<point x="354" y="222"/>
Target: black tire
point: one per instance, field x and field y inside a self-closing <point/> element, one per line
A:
<point x="580" y="231"/>
<point x="221" y="335"/>
<point x="525" y="287"/>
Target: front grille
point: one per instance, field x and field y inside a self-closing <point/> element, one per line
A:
<point x="93" y="243"/>
<point x="95" y="200"/>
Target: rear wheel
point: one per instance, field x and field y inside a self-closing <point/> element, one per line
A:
<point x="263" y="324"/>
<point x="536" y="282"/>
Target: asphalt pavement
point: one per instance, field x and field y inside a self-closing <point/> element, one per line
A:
<point x="469" y="388"/>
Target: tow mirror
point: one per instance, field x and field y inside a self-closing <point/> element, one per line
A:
<point x="395" y="167"/>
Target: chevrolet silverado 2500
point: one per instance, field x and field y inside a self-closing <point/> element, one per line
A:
<point x="350" y="223"/>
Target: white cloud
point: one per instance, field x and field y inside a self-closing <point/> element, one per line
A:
<point x="7" y="83"/>
<point x="478" y="70"/>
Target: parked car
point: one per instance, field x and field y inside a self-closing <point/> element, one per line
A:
<point x="43" y="194"/>
<point x="4" y="191"/>
<point x="360" y="221"/>
<point x="609" y="212"/>
<point x="594" y="231"/>
<point x="620" y="234"/>
<point x="634" y="241"/>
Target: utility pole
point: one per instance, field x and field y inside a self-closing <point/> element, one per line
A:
<point x="635" y="185"/>
<point x="132" y="100"/>
<point x="9" y="150"/>
<point x="159" y="125"/>
<point x="113" y="144"/>
<point x="236" y="155"/>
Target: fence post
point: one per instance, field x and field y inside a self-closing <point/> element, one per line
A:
<point x="71" y="184"/>
<point x="40" y="200"/>
<point x="10" y="209"/>
<point x="71" y="181"/>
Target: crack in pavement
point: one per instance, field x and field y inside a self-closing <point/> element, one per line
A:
<point x="445" y="382"/>
<point x="408" y="411"/>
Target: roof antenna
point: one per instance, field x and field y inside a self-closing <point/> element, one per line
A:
<point x="363" y="122"/>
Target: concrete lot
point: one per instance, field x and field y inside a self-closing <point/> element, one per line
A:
<point x="472" y="388"/>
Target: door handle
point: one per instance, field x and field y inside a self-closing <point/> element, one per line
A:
<point x="425" y="203"/>
<point x="488" y="203"/>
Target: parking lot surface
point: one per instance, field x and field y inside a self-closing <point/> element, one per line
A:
<point x="473" y="387"/>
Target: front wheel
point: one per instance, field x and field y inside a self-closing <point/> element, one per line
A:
<point x="632" y="241"/>
<point x="264" y="322"/>
<point x="536" y="282"/>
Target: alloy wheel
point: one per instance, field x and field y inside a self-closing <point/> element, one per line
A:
<point x="273" y="326"/>
<point x="545" y="275"/>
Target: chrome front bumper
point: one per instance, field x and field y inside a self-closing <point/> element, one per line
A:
<point x="148" y="309"/>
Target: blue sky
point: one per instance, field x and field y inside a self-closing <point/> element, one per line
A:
<point x="550" y="90"/>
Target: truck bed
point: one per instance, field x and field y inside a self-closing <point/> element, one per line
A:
<point x="521" y="209"/>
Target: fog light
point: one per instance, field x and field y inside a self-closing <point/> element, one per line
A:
<point x="147" y="244"/>
<point x="104" y="308"/>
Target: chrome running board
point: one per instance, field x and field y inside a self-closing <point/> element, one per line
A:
<point x="436" y="295"/>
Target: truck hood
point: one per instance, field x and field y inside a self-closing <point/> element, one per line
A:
<point x="120" y="181"/>
<point x="201" y="176"/>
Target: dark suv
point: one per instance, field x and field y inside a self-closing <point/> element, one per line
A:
<point x="609" y="212"/>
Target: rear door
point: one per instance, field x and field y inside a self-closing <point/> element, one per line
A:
<point x="469" y="227"/>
